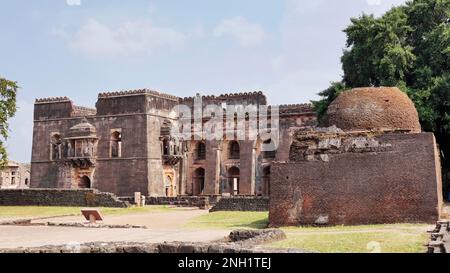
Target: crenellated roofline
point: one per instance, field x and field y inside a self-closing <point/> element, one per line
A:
<point x="52" y="100"/>
<point x="125" y="93"/>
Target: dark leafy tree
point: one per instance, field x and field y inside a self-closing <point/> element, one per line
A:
<point x="407" y="47"/>
<point x="8" y="92"/>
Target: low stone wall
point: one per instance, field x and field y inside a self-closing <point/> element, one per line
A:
<point x="242" y="241"/>
<point x="242" y="203"/>
<point x="59" y="197"/>
<point x="181" y="201"/>
<point x="440" y="238"/>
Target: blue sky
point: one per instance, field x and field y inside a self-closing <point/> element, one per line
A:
<point x="290" y="49"/>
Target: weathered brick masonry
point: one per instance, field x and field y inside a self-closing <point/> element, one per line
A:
<point x="357" y="178"/>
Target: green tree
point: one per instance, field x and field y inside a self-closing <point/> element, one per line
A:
<point x="8" y="92"/>
<point x="407" y="47"/>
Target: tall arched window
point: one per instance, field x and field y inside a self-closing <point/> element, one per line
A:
<point x="234" y="150"/>
<point x="116" y="144"/>
<point x="56" y="142"/>
<point x="201" y="151"/>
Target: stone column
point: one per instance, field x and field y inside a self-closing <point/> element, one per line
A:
<point x="184" y="169"/>
<point x="253" y="173"/>
<point x="218" y="170"/>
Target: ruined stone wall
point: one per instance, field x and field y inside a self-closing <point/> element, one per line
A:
<point x="59" y="197"/>
<point x="357" y="178"/>
<point x="242" y="203"/>
<point x="440" y="238"/>
<point x="201" y="202"/>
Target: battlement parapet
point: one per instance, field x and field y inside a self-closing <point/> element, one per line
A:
<point x="81" y="111"/>
<point x="52" y="100"/>
<point x="106" y="95"/>
<point x="229" y="97"/>
<point x="304" y="108"/>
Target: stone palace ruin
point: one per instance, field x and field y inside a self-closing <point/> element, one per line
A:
<point x="367" y="163"/>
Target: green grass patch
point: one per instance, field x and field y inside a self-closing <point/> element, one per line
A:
<point x="389" y="238"/>
<point x="395" y="238"/>
<point x="383" y="242"/>
<point x="231" y="220"/>
<point x="36" y="211"/>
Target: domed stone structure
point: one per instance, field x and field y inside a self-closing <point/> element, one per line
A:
<point x="373" y="108"/>
<point x="83" y="129"/>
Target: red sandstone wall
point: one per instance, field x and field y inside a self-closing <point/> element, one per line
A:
<point x="400" y="185"/>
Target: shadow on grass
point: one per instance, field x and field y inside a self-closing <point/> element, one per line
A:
<point x="260" y="224"/>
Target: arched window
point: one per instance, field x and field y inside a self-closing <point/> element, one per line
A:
<point x="56" y="142"/>
<point x="201" y="151"/>
<point x="116" y="144"/>
<point x="84" y="183"/>
<point x="234" y="150"/>
<point x="269" y="154"/>
<point x="199" y="181"/>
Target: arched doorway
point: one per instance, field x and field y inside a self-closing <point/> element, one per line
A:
<point x="84" y="183"/>
<point x="169" y="187"/>
<point x="266" y="181"/>
<point x="199" y="181"/>
<point x="233" y="181"/>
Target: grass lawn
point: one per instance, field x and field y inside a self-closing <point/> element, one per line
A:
<point x="403" y="238"/>
<point x="395" y="238"/>
<point x="36" y="212"/>
<point x="231" y="220"/>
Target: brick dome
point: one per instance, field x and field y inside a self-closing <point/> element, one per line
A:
<point x="373" y="109"/>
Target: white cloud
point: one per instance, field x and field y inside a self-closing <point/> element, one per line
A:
<point x="73" y="2"/>
<point x="245" y="32"/>
<point x="133" y="37"/>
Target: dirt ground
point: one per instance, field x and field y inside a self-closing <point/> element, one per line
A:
<point x="175" y="219"/>
<point x="161" y="227"/>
